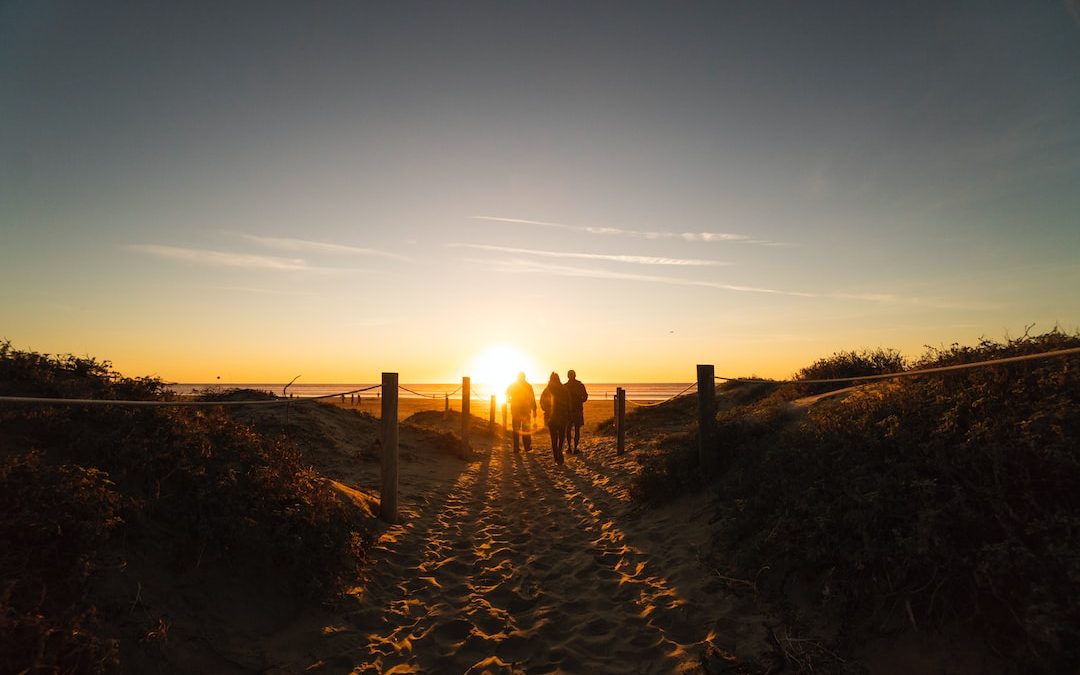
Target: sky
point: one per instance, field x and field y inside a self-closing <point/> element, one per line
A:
<point x="255" y="190"/>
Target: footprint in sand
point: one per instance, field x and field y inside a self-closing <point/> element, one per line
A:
<point x="521" y="566"/>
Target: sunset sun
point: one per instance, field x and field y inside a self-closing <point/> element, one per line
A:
<point x="497" y="366"/>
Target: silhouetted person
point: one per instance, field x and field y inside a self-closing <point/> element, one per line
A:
<point x="522" y="407"/>
<point x="576" y="391"/>
<point x="556" y="404"/>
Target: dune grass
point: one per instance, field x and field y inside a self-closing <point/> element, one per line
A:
<point x="926" y="502"/>
<point x="84" y="489"/>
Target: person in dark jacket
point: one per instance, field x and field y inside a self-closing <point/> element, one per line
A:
<point x="576" y="391"/>
<point x="522" y="408"/>
<point x="556" y="405"/>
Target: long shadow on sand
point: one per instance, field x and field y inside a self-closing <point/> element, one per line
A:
<point x="598" y="601"/>
<point x="415" y="582"/>
<point x="521" y="565"/>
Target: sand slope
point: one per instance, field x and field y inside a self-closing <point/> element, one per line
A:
<point x="512" y="564"/>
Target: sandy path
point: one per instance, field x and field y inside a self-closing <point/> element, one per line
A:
<point x="518" y="565"/>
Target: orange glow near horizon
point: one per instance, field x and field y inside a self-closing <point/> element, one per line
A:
<point x="498" y="365"/>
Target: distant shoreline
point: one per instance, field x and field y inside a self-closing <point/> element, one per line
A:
<point x="637" y="391"/>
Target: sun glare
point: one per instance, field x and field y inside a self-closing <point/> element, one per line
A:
<point x="497" y="366"/>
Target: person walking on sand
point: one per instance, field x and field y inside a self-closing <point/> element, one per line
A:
<point x="522" y="408"/>
<point x="576" y="391"/>
<point x="556" y="404"/>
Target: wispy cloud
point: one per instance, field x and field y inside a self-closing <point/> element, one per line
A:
<point x="290" y="244"/>
<point x="635" y="259"/>
<point x="519" y="266"/>
<point x="202" y="256"/>
<point x="523" y="266"/>
<point x="212" y="258"/>
<point x="916" y="301"/>
<point x="639" y="234"/>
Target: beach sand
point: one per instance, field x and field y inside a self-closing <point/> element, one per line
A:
<point x="507" y="563"/>
<point x="596" y="410"/>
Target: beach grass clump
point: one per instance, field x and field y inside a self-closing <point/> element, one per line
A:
<point x="233" y="394"/>
<point x="844" y="364"/>
<point x="670" y="466"/>
<point x="931" y="501"/>
<point x="87" y="488"/>
<point x="669" y="471"/>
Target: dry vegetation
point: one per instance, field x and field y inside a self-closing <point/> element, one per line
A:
<point x="96" y="503"/>
<point x="945" y="502"/>
<point x="934" y="503"/>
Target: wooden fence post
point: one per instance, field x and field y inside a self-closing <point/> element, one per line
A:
<point x="620" y="421"/>
<point x="491" y="417"/>
<point x="708" y="453"/>
<point x="388" y="497"/>
<point x="466" y="394"/>
<point x="504" y="416"/>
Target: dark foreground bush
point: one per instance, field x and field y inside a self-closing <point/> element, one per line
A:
<point x="83" y="488"/>
<point x="671" y="468"/>
<point x="669" y="473"/>
<point x="56" y="525"/>
<point x="937" y="500"/>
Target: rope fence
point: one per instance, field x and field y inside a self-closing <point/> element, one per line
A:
<point x="669" y="398"/>
<point x="416" y="393"/>
<point x="176" y="404"/>
<point x="710" y="459"/>
<point x="182" y="404"/>
<point x="475" y="397"/>
<point x="159" y="404"/>
<point x="343" y="393"/>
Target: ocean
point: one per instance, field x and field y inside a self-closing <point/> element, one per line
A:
<point x="636" y="391"/>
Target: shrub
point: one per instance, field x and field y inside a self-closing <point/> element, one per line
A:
<point x="668" y="473"/>
<point x="234" y="394"/>
<point x="848" y="364"/>
<point x="25" y="373"/>
<point x="188" y="485"/>
<point x="55" y="522"/>
<point x="936" y="498"/>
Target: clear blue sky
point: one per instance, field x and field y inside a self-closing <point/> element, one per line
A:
<point x="254" y="190"/>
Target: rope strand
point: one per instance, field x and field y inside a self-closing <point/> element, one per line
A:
<point x="173" y="404"/>
<point x="416" y="393"/>
<point x="669" y="398"/>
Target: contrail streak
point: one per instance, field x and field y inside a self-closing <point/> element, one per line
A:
<point x="639" y="234"/>
<point x="635" y="259"/>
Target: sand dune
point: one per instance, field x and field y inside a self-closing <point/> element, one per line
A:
<point x="512" y="564"/>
